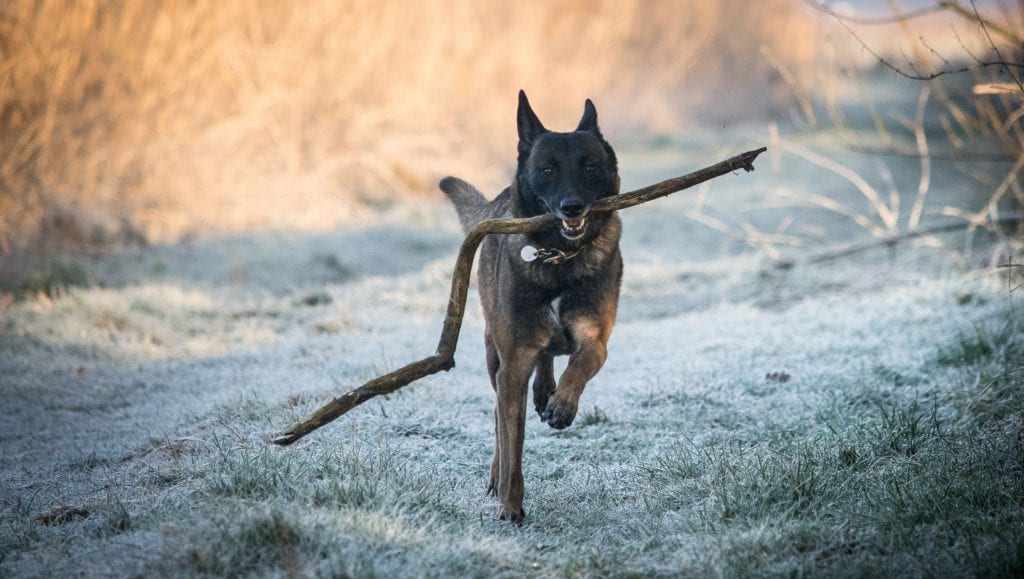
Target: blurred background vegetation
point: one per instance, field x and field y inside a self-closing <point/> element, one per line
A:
<point x="145" y="121"/>
<point x="154" y="119"/>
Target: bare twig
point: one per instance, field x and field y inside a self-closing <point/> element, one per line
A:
<point x="444" y="358"/>
<point x="895" y="239"/>
<point x="953" y="156"/>
<point x="881" y="20"/>
<point x="915" y="74"/>
<point x="973" y="15"/>
<point x="987" y="25"/>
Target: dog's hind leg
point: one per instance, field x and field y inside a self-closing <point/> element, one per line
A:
<point x="496" y="461"/>
<point x="543" y="382"/>
<point x="493" y="363"/>
<point x="493" y="360"/>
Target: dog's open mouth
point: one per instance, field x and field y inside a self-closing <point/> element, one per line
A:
<point x="574" y="228"/>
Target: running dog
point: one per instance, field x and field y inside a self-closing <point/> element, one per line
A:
<point x="545" y="294"/>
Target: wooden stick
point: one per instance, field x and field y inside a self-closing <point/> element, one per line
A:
<point x="444" y="358"/>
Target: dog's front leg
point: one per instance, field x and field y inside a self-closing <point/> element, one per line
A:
<point x="543" y="382"/>
<point x="591" y="351"/>
<point x="513" y="381"/>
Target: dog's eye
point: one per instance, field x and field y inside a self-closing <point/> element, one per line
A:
<point x="590" y="168"/>
<point x="548" y="171"/>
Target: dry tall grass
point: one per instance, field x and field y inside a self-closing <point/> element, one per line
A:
<point x="160" y="118"/>
<point x="965" y="57"/>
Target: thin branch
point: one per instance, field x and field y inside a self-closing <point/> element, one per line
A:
<point x="979" y="65"/>
<point x="444" y="358"/>
<point x="973" y="16"/>
<point x="892" y="240"/>
<point x="917" y="75"/>
<point x="881" y="20"/>
<point x="934" y="52"/>
<point x="985" y="25"/>
<point x="956" y="156"/>
<point x="911" y="62"/>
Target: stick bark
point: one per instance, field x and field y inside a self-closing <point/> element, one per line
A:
<point x="444" y="358"/>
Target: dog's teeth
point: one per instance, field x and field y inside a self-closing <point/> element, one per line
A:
<point x="574" y="228"/>
<point x="574" y="224"/>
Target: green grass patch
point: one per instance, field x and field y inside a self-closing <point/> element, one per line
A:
<point x="985" y="341"/>
<point x="593" y="417"/>
<point x="259" y="539"/>
<point x="897" y="492"/>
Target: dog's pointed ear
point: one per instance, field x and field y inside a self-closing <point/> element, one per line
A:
<point x="589" y="120"/>
<point x="527" y="122"/>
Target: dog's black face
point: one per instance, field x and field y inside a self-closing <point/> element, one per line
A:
<point x="564" y="173"/>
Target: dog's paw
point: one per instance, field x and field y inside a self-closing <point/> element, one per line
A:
<point x="540" y="402"/>
<point x="543" y="388"/>
<point x="517" y="516"/>
<point x="558" y="413"/>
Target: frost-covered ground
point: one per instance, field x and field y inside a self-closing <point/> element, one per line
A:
<point x="857" y="418"/>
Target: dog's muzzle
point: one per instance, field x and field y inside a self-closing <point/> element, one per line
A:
<point x="573" y="214"/>
<point x="574" y="229"/>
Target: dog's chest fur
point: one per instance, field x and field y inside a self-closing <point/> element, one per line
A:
<point x="533" y="298"/>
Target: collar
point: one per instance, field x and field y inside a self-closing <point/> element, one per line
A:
<point x="530" y="253"/>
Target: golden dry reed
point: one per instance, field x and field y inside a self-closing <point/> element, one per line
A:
<point x="156" y="119"/>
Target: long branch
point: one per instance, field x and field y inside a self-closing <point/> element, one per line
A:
<point x="444" y="358"/>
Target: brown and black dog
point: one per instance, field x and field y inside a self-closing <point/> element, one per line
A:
<point x="549" y="293"/>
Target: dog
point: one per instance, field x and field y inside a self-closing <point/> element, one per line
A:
<point x="549" y="293"/>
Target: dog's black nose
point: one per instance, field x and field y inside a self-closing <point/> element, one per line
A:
<point x="572" y="207"/>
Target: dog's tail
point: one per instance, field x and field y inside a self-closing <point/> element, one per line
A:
<point x="470" y="204"/>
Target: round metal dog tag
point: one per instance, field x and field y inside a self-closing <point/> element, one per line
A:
<point x="528" y="253"/>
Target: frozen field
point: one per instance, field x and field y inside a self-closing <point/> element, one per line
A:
<point x="856" y="417"/>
